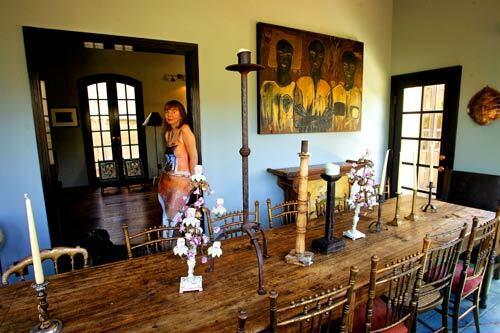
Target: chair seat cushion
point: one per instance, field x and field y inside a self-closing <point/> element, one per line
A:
<point x="378" y="318"/>
<point x="469" y="285"/>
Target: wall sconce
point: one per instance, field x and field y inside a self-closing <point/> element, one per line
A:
<point x="174" y="77"/>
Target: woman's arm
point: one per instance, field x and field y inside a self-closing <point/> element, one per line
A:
<point x="190" y="143"/>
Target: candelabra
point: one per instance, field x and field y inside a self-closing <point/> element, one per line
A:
<point x="413" y="214"/>
<point x="46" y="325"/>
<point x="378" y="223"/>
<point x="429" y="204"/>
<point x="329" y="243"/>
<point x="396" y="221"/>
<point x="244" y="66"/>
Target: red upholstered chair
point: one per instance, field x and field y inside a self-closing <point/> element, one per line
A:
<point x="469" y="274"/>
<point x="439" y="270"/>
<point x="392" y="295"/>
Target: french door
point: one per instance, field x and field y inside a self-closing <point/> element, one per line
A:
<point x="113" y="112"/>
<point x="423" y="125"/>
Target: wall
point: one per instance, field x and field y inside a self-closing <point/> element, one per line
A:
<point x="219" y="28"/>
<point x="66" y="67"/>
<point x="439" y="33"/>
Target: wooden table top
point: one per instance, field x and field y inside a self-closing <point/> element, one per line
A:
<point x="141" y="294"/>
<point x="314" y="170"/>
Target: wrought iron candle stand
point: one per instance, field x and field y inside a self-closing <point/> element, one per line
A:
<point x="252" y="229"/>
<point x="429" y="204"/>
<point x="329" y="243"/>
<point x="46" y="325"/>
<point x="397" y="220"/>
<point x="413" y="214"/>
<point x="378" y="223"/>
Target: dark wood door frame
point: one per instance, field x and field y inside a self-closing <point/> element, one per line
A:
<point x="451" y="76"/>
<point x="35" y="39"/>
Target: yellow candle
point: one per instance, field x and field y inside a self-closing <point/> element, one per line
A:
<point x="381" y="189"/>
<point x="35" y="250"/>
<point x="431" y="157"/>
<point x="415" y="170"/>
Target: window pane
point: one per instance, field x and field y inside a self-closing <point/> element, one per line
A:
<point x="425" y="152"/>
<point x="412" y="99"/>
<point x="123" y="123"/>
<point x="408" y="149"/>
<point x="103" y="107"/>
<point x="135" y="151"/>
<point x="101" y="89"/>
<point x="133" y="137"/>
<point x="49" y="141"/>
<point x="406" y="175"/>
<point x="122" y="107"/>
<point x="131" y="107"/>
<point x="93" y="108"/>
<point x="106" y="139"/>
<point x="132" y="120"/>
<point x="97" y="154"/>
<point x="45" y="107"/>
<point x="126" y="152"/>
<point x="96" y="139"/>
<point x="431" y="125"/>
<point x="130" y="92"/>
<point x="120" y="90"/>
<point x="423" y="179"/>
<point x="51" y="157"/>
<point x="433" y="97"/>
<point x="94" y="123"/>
<point x="108" y="154"/>
<point x="47" y="124"/>
<point x="92" y="91"/>
<point x="124" y="137"/>
<point x="42" y="89"/>
<point x="411" y="125"/>
<point x="105" y="123"/>
<point x="97" y="170"/>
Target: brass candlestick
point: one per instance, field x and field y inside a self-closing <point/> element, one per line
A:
<point x="413" y="215"/>
<point x="252" y="230"/>
<point x="46" y="325"/>
<point x="378" y="222"/>
<point x="429" y="204"/>
<point x="397" y="220"/>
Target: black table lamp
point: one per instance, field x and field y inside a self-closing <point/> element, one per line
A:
<point x="155" y="120"/>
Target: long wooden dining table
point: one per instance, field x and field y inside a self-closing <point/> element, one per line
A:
<point x="142" y="294"/>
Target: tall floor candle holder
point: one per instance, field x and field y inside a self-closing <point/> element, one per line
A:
<point x="429" y="205"/>
<point x="252" y="229"/>
<point x="378" y="222"/>
<point x="46" y="325"/>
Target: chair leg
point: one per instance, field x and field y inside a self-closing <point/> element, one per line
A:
<point x="456" y="313"/>
<point x="444" y="310"/>
<point x="476" y="310"/>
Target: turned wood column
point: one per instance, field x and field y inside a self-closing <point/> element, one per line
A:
<point x="300" y="243"/>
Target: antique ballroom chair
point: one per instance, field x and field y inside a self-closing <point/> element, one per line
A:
<point x="469" y="274"/>
<point x="392" y="294"/>
<point x="21" y="268"/>
<point x="442" y="259"/>
<point x="284" y="213"/>
<point x="152" y="240"/>
<point x="230" y="223"/>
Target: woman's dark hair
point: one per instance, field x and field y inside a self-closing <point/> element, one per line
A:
<point x="178" y="105"/>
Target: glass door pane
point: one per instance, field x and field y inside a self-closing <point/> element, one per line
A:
<point x="128" y="120"/>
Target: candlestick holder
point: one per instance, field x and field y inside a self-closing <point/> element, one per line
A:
<point x="329" y="243"/>
<point x="251" y="229"/>
<point x="413" y="214"/>
<point x="378" y="222"/>
<point x="46" y="325"/>
<point x="397" y="220"/>
<point x="429" y="205"/>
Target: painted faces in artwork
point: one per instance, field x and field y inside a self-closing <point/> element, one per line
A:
<point x="348" y="68"/>
<point x="284" y="54"/>
<point x="316" y="57"/>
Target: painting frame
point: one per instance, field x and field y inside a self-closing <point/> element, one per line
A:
<point x="132" y="168"/>
<point x="64" y="117"/>
<point x="108" y="171"/>
<point x="311" y="82"/>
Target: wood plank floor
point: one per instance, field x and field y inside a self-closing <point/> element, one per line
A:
<point x="85" y="210"/>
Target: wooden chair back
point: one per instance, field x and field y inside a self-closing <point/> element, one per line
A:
<point x="20" y="268"/>
<point x="316" y="313"/>
<point x="398" y="286"/>
<point x="340" y="205"/>
<point x="230" y="223"/>
<point x="151" y="240"/>
<point x="285" y="212"/>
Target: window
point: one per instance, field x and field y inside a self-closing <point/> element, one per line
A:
<point x="46" y="119"/>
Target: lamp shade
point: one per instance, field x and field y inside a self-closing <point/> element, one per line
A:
<point x="153" y="119"/>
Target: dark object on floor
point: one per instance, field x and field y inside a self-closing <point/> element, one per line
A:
<point x="101" y="249"/>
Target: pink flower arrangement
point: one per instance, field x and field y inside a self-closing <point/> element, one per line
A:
<point x="362" y="178"/>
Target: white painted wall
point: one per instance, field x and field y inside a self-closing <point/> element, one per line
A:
<point x="440" y="33"/>
<point x="219" y="27"/>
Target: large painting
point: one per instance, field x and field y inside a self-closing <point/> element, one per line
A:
<point x="311" y="82"/>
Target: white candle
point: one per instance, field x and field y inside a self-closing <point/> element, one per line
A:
<point x="381" y="189"/>
<point x="431" y="163"/>
<point x="35" y="250"/>
<point x="415" y="171"/>
<point x="243" y="50"/>
<point x="332" y="169"/>
<point x="399" y="173"/>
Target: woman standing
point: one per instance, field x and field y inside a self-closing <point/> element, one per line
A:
<point x="181" y="157"/>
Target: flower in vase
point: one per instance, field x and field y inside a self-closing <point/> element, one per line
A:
<point x="204" y="259"/>
<point x="215" y="250"/>
<point x="205" y="239"/>
<point x="180" y="248"/>
<point x="198" y="174"/>
<point x="188" y="236"/>
<point x="182" y="228"/>
<point x="219" y="209"/>
<point x="177" y="218"/>
<point x="190" y="219"/>
<point x="199" y="202"/>
<point x="191" y="255"/>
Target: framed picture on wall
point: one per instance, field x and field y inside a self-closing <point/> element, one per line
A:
<point x="64" y="117"/>
<point x="311" y="82"/>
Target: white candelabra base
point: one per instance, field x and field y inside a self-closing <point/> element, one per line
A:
<point x="191" y="283"/>
<point x="354" y="234"/>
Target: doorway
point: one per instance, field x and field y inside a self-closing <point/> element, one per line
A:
<point x="423" y="127"/>
<point x="111" y="106"/>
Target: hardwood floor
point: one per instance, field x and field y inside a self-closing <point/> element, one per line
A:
<point x="82" y="210"/>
